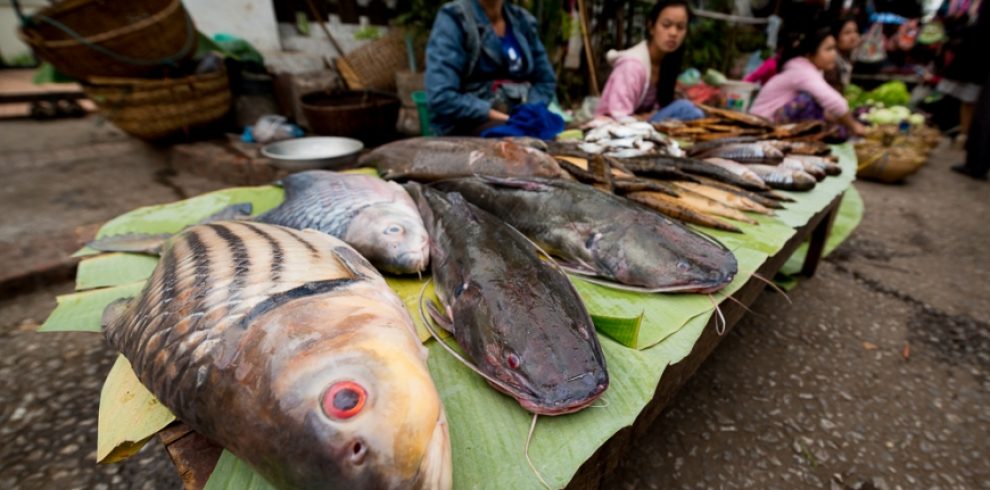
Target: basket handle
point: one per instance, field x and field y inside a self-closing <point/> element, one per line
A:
<point x="168" y="60"/>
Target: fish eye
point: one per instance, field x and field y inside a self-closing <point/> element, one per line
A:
<point x="344" y="400"/>
<point x="683" y="265"/>
<point x="513" y="361"/>
<point x="393" y="230"/>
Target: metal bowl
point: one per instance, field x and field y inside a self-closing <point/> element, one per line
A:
<point x="329" y="152"/>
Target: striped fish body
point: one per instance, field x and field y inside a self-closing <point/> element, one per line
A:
<point x="430" y="159"/>
<point x="783" y="178"/>
<point x="374" y="216"/>
<point x="288" y="349"/>
<point x="756" y="152"/>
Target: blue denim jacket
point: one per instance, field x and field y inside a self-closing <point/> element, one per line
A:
<point x="461" y="68"/>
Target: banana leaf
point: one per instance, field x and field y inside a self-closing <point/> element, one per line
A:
<point x="488" y="430"/>
<point x="129" y="415"/>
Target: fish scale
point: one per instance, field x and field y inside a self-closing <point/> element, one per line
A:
<point x="242" y="328"/>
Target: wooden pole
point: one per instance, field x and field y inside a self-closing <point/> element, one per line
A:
<point x="589" y="56"/>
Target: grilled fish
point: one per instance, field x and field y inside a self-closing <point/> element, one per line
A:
<point x="517" y="317"/>
<point x="374" y="216"/>
<point x="288" y="349"/>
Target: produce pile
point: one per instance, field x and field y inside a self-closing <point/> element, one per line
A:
<point x="890" y="154"/>
<point x="204" y="326"/>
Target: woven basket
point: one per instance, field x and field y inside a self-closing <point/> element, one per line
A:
<point x="114" y="38"/>
<point x="154" y="109"/>
<point x="373" y="66"/>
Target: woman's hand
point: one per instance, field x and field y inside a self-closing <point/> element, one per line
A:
<point x="854" y="126"/>
<point x="497" y="116"/>
<point x="858" y="129"/>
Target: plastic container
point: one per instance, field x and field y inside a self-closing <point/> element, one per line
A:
<point x="738" y="94"/>
<point x="419" y="97"/>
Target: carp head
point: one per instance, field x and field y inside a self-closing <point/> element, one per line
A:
<point x="348" y="399"/>
<point x="394" y="238"/>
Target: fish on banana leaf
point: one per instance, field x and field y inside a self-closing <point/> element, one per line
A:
<point x="518" y="317"/>
<point x="600" y="234"/>
<point x="288" y="349"/>
<point x="784" y="178"/>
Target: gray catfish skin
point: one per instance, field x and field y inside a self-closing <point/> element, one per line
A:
<point x="374" y="216"/>
<point x="429" y="159"/>
<point x="516" y="316"/>
<point x="603" y="234"/>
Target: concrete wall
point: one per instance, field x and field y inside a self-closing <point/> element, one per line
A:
<point x="253" y="20"/>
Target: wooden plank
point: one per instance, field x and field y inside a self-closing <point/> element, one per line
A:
<point x="195" y="456"/>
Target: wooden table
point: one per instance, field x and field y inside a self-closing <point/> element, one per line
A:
<point x="195" y="457"/>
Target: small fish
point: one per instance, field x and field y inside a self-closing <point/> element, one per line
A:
<point x="288" y="349"/>
<point x="429" y="159"/>
<point x="680" y="210"/>
<point x="374" y="216"/>
<point x="738" y="169"/>
<point x="757" y="152"/>
<point x="517" y="317"/>
<point x="823" y="163"/>
<point x="593" y="148"/>
<point x="784" y="178"/>
<point x="806" y="167"/>
<point x="599" y="234"/>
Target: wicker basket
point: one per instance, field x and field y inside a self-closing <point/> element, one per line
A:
<point x="113" y="38"/>
<point x="154" y="109"/>
<point x="373" y="66"/>
<point x="367" y="116"/>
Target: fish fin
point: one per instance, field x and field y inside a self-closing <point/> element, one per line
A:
<point x="354" y="262"/>
<point x="144" y="243"/>
<point x="511" y="183"/>
<point x="239" y="210"/>
<point x="113" y="312"/>
<point x="434" y="311"/>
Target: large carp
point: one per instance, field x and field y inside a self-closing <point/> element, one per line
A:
<point x="598" y="233"/>
<point x="429" y="159"/>
<point x="288" y="349"/>
<point x="517" y="317"/>
<point x="374" y="216"/>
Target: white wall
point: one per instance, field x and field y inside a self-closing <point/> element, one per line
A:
<point x="252" y="20"/>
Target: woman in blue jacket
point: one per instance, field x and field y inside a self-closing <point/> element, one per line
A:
<point x="484" y="58"/>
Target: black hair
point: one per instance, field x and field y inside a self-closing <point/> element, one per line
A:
<point x="798" y="43"/>
<point x="670" y="66"/>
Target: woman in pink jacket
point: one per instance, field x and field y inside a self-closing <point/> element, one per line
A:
<point x="644" y="76"/>
<point x="799" y="92"/>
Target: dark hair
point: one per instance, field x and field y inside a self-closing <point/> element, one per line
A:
<point x="670" y="66"/>
<point x="798" y="43"/>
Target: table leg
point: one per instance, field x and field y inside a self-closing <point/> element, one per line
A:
<point x="816" y="245"/>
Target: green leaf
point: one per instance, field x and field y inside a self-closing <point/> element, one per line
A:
<point x="234" y="474"/>
<point x="622" y="330"/>
<point x="81" y="312"/>
<point x="129" y="415"/>
<point x="113" y="270"/>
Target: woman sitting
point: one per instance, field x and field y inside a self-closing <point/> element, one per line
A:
<point x="483" y="59"/>
<point x="799" y="92"/>
<point x="846" y="33"/>
<point x="644" y="76"/>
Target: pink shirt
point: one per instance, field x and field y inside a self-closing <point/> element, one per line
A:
<point x="765" y="72"/>
<point x="799" y="75"/>
<point x="624" y="90"/>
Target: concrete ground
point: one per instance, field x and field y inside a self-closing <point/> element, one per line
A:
<point x="876" y="376"/>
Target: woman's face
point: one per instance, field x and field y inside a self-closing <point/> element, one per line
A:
<point x="848" y="37"/>
<point x="824" y="58"/>
<point x="667" y="33"/>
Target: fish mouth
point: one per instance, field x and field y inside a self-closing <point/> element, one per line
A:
<point x="570" y="406"/>
<point x="413" y="262"/>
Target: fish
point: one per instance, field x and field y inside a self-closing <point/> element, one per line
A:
<point x="603" y="235"/>
<point x="731" y="199"/>
<point x="435" y="158"/>
<point x="754" y="196"/>
<point x="736" y="116"/>
<point x="784" y="178"/>
<point x="823" y="163"/>
<point x="701" y="147"/>
<point x="806" y="167"/>
<point x="738" y="169"/>
<point x="518" y="318"/>
<point x="801" y="147"/>
<point x="712" y="206"/>
<point x="374" y="216"/>
<point x="288" y="349"/>
<point x="680" y="210"/>
<point x="757" y="152"/>
<point x="661" y="166"/>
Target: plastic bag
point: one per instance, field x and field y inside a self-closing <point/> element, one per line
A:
<point x="872" y="49"/>
<point x="269" y="128"/>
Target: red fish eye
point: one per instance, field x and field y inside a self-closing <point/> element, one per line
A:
<point x="344" y="400"/>
<point x="513" y="361"/>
